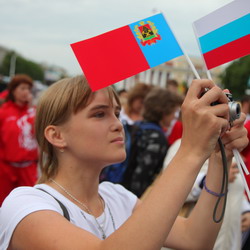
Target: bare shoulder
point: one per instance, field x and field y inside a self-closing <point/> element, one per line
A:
<point x="48" y="229"/>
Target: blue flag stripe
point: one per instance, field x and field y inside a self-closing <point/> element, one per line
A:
<point x="225" y="34"/>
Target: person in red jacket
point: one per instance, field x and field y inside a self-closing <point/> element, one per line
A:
<point x="18" y="147"/>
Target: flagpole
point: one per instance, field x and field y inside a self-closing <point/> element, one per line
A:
<point x="237" y="154"/>
<point x="191" y="64"/>
<point x="209" y="76"/>
<point x="184" y="52"/>
<point x="245" y="182"/>
<point x="189" y="60"/>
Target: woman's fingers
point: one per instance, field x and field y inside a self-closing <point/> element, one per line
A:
<point x="214" y="96"/>
<point x="236" y="137"/>
<point x="197" y="87"/>
<point x="202" y="122"/>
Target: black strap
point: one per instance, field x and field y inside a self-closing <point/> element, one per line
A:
<point x="64" y="209"/>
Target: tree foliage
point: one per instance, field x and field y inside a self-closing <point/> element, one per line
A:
<point x="236" y="77"/>
<point x="23" y="66"/>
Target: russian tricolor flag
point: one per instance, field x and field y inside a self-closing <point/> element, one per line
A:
<point x="126" y="51"/>
<point x="224" y="35"/>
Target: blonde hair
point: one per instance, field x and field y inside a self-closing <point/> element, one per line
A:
<point x="62" y="99"/>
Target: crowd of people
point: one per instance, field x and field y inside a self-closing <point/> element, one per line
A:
<point x="56" y="163"/>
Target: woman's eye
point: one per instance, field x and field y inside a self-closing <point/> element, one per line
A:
<point x="117" y="114"/>
<point x="99" y="115"/>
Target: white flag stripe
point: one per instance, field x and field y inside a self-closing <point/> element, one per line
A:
<point x="221" y="16"/>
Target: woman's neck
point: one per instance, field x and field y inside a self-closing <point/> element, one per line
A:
<point x="81" y="182"/>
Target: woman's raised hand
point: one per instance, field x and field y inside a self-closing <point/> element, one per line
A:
<point x="203" y="123"/>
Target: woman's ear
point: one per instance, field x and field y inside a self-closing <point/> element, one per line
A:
<point x="54" y="135"/>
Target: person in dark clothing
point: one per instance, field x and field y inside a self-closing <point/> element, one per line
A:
<point x="150" y="146"/>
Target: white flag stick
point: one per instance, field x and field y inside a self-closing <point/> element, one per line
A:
<point x="209" y="75"/>
<point x="185" y="54"/>
<point x="191" y="65"/>
<point x="239" y="161"/>
<point x="245" y="182"/>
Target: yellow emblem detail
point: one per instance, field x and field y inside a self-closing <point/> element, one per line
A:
<point x="147" y="33"/>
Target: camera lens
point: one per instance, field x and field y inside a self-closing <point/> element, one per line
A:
<point x="234" y="111"/>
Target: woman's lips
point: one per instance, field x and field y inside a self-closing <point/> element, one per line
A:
<point x="118" y="140"/>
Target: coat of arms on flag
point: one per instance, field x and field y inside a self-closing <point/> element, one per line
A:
<point x="147" y="33"/>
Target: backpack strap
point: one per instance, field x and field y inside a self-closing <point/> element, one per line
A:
<point x="64" y="209"/>
<point x="149" y="125"/>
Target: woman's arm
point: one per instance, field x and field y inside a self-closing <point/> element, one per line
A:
<point x="197" y="234"/>
<point x="152" y="221"/>
<point x="203" y="124"/>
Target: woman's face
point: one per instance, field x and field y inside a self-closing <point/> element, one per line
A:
<point x="95" y="133"/>
<point x="22" y="93"/>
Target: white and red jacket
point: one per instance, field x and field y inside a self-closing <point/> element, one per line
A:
<point x="17" y="141"/>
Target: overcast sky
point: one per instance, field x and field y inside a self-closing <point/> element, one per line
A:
<point x="42" y="30"/>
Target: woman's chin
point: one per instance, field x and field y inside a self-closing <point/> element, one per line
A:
<point x="118" y="159"/>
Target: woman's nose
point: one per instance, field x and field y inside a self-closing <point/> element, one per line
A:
<point x="117" y="125"/>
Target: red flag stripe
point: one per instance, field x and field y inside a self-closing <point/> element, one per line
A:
<point x="228" y="52"/>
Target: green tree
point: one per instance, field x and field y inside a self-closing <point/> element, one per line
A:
<point x="23" y="66"/>
<point x="236" y="77"/>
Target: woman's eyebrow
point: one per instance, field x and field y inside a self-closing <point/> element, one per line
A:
<point x="99" y="107"/>
<point x="102" y="106"/>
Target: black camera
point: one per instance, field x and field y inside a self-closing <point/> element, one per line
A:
<point x="234" y="107"/>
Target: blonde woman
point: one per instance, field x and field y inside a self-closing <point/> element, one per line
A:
<point x="79" y="133"/>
